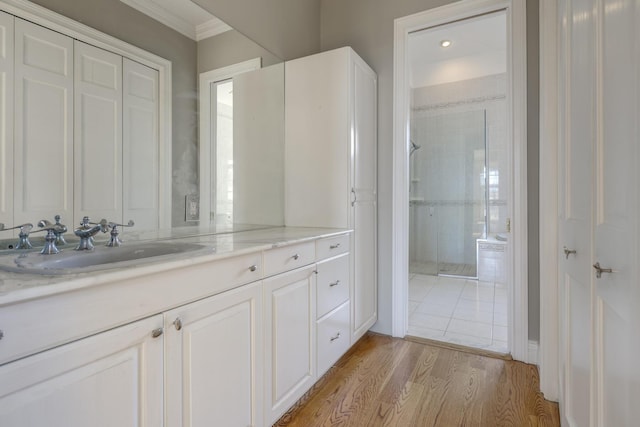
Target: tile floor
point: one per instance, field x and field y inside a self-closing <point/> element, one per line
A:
<point x="459" y="311"/>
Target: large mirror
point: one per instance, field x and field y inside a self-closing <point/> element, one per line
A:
<point x="244" y="145"/>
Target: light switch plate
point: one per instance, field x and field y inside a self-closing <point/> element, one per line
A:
<point x="192" y="208"/>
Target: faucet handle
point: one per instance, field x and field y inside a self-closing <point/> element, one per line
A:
<point x="115" y="241"/>
<point x="25" y="229"/>
<point x="58" y="229"/>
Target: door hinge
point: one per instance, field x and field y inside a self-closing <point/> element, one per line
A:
<point x="508" y="225"/>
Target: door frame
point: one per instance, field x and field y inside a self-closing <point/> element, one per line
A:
<point x="549" y="208"/>
<point x="517" y="122"/>
<point x="204" y="109"/>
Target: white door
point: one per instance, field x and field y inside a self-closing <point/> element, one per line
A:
<point x="290" y="319"/>
<point x="364" y="295"/>
<point x="98" y="134"/>
<point x="110" y="379"/>
<point x="616" y="215"/>
<point x="214" y="361"/>
<point x="140" y="179"/>
<point x="599" y="213"/>
<point x="43" y="149"/>
<point x="576" y="191"/>
<point x="6" y="119"/>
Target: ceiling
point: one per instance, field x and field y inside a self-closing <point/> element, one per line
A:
<point x="184" y="16"/>
<point x="478" y="48"/>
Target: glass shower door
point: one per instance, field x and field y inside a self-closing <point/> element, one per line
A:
<point x="449" y="211"/>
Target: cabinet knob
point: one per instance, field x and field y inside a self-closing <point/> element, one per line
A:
<point x="336" y="283"/>
<point x="1" y="334"/>
<point x="336" y="246"/>
<point x="253" y="267"/>
<point x="156" y="332"/>
<point x="336" y="337"/>
<point x="295" y="257"/>
<point x="177" y="323"/>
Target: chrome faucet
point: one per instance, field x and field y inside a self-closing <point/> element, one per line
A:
<point x="58" y="230"/>
<point x="86" y="234"/>
<point x="115" y="241"/>
<point x="23" y="236"/>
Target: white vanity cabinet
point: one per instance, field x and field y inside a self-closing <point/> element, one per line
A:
<point x="114" y="378"/>
<point x="290" y="325"/>
<point x="214" y="360"/>
<point x="330" y="161"/>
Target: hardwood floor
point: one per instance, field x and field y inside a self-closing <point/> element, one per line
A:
<point x="384" y="381"/>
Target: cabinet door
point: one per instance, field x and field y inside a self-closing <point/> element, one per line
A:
<point x="98" y="134"/>
<point x="364" y="291"/>
<point x="318" y="140"/>
<point x="289" y="336"/>
<point x="110" y="379"/>
<point x="6" y="119"/>
<point x="140" y="146"/>
<point x="43" y="149"/>
<point x="214" y="361"/>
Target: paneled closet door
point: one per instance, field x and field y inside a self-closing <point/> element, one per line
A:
<point x="6" y="119"/>
<point x="599" y="218"/>
<point x="576" y="188"/>
<point x="43" y="172"/>
<point x="616" y="216"/>
<point x="140" y="145"/>
<point x="98" y="134"/>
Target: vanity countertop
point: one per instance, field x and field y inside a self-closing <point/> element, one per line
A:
<point x="16" y="287"/>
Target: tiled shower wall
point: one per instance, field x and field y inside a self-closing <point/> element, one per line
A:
<point x="485" y="94"/>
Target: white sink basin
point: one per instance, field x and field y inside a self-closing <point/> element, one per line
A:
<point x="101" y="258"/>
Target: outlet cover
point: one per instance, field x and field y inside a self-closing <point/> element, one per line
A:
<point x="192" y="208"/>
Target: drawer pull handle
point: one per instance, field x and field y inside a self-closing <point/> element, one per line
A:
<point x="253" y="267"/>
<point x="1" y="334"/>
<point x="336" y="283"/>
<point x="295" y="257"/>
<point x="177" y="323"/>
<point x="156" y="332"/>
<point x="336" y="246"/>
<point x="335" y="338"/>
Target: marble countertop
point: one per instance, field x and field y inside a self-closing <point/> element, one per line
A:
<point x="15" y="286"/>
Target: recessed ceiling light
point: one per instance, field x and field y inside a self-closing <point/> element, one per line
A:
<point x="445" y="43"/>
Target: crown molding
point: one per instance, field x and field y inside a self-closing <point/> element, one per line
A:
<point x="198" y="32"/>
<point x="211" y="28"/>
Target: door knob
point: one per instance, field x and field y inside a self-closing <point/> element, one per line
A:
<point x="600" y="270"/>
<point x="568" y="252"/>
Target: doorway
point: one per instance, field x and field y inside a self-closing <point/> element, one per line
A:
<point x="459" y="139"/>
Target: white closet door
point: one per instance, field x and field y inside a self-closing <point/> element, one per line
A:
<point x="98" y="134"/>
<point x="617" y="228"/>
<point x="140" y="145"/>
<point x="6" y="119"/>
<point x="43" y="171"/>
<point x="364" y="295"/>
<point x="576" y="191"/>
<point x="599" y="218"/>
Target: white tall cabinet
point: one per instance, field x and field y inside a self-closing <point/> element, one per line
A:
<point x="330" y="161"/>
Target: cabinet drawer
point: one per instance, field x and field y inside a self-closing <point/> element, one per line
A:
<point x="333" y="284"/>
<point x="288" y="258"/>
<point x="333" y="337"/>
<point x="332" y="246"/>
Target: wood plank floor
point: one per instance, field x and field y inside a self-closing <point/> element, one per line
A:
<point x="384" y="381"/>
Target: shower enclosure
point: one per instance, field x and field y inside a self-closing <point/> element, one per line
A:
<point x="448" y="193"/>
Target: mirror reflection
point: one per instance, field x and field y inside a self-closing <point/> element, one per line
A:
<point x="245" y="155"/>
